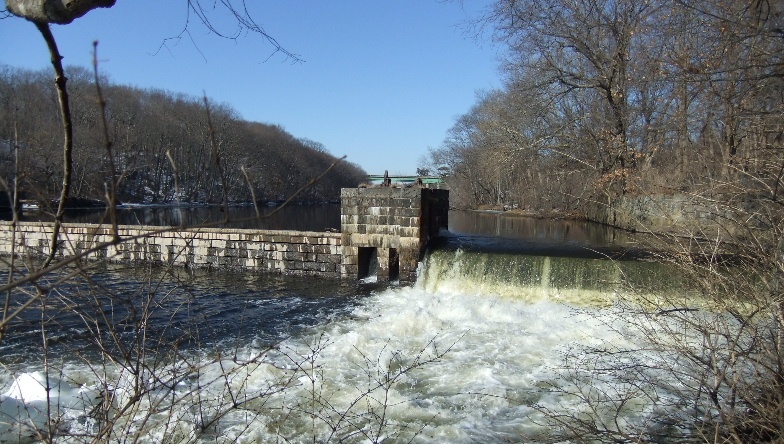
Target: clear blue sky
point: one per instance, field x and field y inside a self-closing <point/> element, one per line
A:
<point x="380" y="81"/>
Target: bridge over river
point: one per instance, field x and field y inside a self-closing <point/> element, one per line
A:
<point x="427" y="181"/>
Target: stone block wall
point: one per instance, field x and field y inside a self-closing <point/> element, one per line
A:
<point x="289" y="252"/>
<point x="677" y="214"/>
<point x="384" y="234"/>
<point x="385" y="231"/>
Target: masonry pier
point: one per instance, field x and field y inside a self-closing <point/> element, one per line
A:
<point x="384" y="233"/>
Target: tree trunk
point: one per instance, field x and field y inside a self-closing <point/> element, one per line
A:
<point x="55" y="11"/>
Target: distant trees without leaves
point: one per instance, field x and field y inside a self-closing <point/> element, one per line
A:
<point x="605" y="98"/>
<point x="161" y="146"/>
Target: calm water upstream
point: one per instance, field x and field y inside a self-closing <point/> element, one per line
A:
<point x="468" y="354"/>
<point x="311" y="217"/>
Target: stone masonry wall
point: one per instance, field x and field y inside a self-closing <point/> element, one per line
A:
<point x="289" y="252"/>
<point x="384" y="233"/>
<point x="392" y="225"/>
<point x="677" y="214"/>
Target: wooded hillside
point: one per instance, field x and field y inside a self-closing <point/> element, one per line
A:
<point x="161" y="145"/>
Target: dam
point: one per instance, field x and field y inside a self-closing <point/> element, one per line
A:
<point x="384" y="233"/>
<point x="471" y="351"/>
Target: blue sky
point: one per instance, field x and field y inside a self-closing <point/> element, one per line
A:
<point x="380" y="81"/>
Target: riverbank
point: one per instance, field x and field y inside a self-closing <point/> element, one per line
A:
<point x="536" y="214"/>
<point x="664" y="214"/>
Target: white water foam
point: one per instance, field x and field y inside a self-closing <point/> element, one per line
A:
<point x="423" y="364"/>
<point x="498" y="354"/>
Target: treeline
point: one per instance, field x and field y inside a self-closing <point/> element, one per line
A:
<point x="164" y="146"/>
<point x="612" y="97"/>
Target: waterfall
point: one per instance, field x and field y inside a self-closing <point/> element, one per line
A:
<point x="591" y="278"/>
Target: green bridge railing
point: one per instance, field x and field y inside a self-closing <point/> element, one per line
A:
<point x="406" y="180"/>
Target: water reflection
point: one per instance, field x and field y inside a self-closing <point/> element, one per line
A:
<point x="323" y="217"/>
<point x="545" y="230"/>
<point x="319" y="217"/>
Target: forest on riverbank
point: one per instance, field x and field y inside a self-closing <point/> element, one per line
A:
<point x="165" y="146"/>
<point x="617" y="98"/>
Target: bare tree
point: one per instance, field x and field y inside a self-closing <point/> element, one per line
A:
<point x="584" y="51"/>
<point x="66" y="11"/>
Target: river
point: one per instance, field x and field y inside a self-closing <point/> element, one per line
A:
<point x="296" y="216"/>
<point x="476" y="351"/>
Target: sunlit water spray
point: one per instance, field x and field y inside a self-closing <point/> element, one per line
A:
<point x="469" y="354"/>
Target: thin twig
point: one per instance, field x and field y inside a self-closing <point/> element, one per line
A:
<point x="252" y="191"/>
<point x="112" y="191"/>
<point x="176" y="186"/>
<point x="14" y="198"/>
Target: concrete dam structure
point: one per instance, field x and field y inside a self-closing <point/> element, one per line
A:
<point x="384" y="233"/>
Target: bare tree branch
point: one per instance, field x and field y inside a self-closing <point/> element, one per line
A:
<point x="61" y="12"/>
<point x="67" y="124"/>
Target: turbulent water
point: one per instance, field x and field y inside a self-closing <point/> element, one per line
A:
<point x="474" y="352"/>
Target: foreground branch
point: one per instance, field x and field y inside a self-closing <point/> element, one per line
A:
<point x="67" y="123"/>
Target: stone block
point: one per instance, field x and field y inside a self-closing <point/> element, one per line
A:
<point x="349" y="271"/>
<point x="350" y="260"/>
<point x="293" y="256"/>
<point x="349" y="228"/>
<point x="294" y="265"/>
<point x="329" y="259"/>
<point x="320" y="249"/>
<point x="311" y="266"/>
